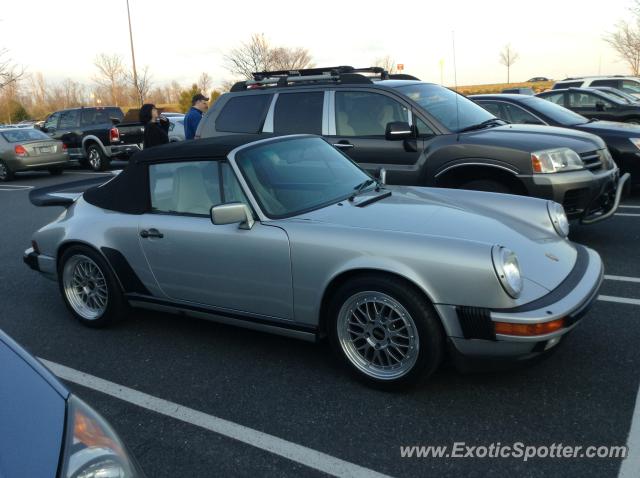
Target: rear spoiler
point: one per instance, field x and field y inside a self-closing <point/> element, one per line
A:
<point x="67" y="193"/>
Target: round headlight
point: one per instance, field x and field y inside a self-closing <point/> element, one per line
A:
<point x="558" y="218"/>
<point x="507" y="269"/>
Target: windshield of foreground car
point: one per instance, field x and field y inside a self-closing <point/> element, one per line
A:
<point x="557" y="113"/>
<point x="293" y="176"/>
<point x="441" y="103"/>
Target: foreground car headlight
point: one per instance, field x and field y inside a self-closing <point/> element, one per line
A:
<point x="556" y="160"/>
<point x="558" y="218"/>
<point x="92" y="449"/>
<point x="507" y="269"/>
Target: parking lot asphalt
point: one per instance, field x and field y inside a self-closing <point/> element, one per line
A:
<point x="582" y="394"/>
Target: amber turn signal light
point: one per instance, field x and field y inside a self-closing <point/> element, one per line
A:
<point x="525" y="330"/>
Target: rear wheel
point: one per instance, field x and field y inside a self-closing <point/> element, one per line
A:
<point x="89" y="288"/>
<point x="55" y="171"/>
<point x="5" y="173"/>
<point x="98" y="161"/>
<point x="384" y="332"/>
<point x="488" y="185"/>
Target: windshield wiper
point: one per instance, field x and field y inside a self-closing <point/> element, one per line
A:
<point x="484" y="124"/>
<point x="362" y="186"/>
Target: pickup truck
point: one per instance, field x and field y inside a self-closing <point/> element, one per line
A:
<point x="95" y="135"/>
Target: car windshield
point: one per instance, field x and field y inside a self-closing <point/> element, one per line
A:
<point x="23" y="134"/>
<point x="292" y="176"/>
<point x="452" y="110"/>
<point x="557" y="113"/>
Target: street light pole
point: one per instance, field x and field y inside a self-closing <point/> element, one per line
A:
<point x="133" y="56"/>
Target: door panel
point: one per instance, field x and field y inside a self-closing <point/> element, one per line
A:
<point x="220" y="265"/>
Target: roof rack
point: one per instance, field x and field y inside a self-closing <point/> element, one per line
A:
<point x="334" y="74"/>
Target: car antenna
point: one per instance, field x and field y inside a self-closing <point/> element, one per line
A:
<point x="455" y="81"/>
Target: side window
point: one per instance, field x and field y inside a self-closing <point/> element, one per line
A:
<point x="232" y="191"/>
<point x="68" y="119"/>
<point x="87" y="116"/>
<point x="574" y="84"/>
<point x="585" y="100"/>
<point x="52" y="122"/>
<point x="493" y="108"/>
<point x="515" y="114"/>
<point x="557" y="98"/>
<point x="298" y="113"/>
<point x="366" y="114"/>
<point x="422" y="127"/>
<point x="243" y="114"/>
<point x="185" y="187"/>
<point x="631" y="86"/>
<point x="611" y="83"/>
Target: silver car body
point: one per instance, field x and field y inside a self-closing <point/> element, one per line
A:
<point x="176" y="127"/>
<point x="276" y="275"/>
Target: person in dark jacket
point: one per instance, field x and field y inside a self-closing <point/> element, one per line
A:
<point x="156" y="127"/>
<point x="194" y="115"/>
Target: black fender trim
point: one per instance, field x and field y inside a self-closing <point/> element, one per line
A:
<point x="130" y="282"/>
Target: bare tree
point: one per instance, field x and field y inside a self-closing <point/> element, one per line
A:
<point x="626" y="40"/>
<point x="139" y="90"/>
<point x="111" y="76"/>
<point x="508" y="56"/>
<point x="204" y="83"/>
<point x="387" y="63"/>
<point x="9" y="71"/>
<point x="259" y="55"/>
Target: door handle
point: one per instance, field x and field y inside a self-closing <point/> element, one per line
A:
<point x="151" y="233"/>
<point x="343" y="145"/>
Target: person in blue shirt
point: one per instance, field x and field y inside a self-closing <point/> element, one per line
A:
<point x="194" y="115"/>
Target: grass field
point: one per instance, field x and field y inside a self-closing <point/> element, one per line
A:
<point x="498" y="87"/>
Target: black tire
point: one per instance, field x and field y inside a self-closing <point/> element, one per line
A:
<point x="488" y="185"/>
<point x="428" y="329"/>
<point x="115" y="308"/>
<point x="97" y="160"/>
<point x="55" y="171"/>
<point x="5" y="173"/>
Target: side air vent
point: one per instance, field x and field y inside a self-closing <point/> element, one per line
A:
<point x="476" y="323"/>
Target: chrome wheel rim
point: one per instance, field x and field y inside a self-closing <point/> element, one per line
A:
<point x="94" y="158"/>
<point x="378" y="335"/>
<point x="85" y="287"/>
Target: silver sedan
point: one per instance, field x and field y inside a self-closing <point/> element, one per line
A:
<point x="26" y="149"/>
<point x="288" y="235"/>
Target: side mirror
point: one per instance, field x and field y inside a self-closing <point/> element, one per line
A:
<point x="382" y="175"/>
<point x="232" y="213"/>
<point x="398" y="130"/>
<point x="599" y="106"/>
<point x="43" y="129"/>
<point x="115" y="121"/>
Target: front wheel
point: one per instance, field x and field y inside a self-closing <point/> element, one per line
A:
<point x="387" y="334"/>
<point x="98" y="161"/>
<point x="89" y="288"/>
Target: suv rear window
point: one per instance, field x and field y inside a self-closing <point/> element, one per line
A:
<point x="571" y="84"/>
<point x="298" y="113"/>
<point x="243" y="114"/>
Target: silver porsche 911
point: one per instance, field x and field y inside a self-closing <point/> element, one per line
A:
<point x="289" y="236"/>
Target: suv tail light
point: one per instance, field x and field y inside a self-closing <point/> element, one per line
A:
<point x="114" y="135"/>
<point x="20" y="151"/>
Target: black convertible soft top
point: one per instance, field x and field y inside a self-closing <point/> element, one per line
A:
<point x="129" y="191"/>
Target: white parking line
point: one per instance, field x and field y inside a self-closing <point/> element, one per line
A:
<point x="630" y="207"/>
<point x="626" y="214"/>
<point x="619" y="300"/>
<point x="12" y="187"/>
<point x="88" y="172"/>
<point x="291" y="451"/>
<point x="623" y="278"/>
<point x="631" y="464"/>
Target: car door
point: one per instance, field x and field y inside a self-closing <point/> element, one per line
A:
<point x="588" y="104"/>
<point x="357" y="126"/>
<point x="69" y="131"/>
<point x="221" y="266"/>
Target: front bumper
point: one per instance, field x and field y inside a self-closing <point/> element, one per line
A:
<point x="585" y="195"/>
<point x="124" y="150"/>
<point x="570" y="301"/>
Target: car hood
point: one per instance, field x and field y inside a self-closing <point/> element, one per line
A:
<point x="32" y="414"/>
<point x="519" y="223"/>
<point x="532" y="138"/>
<point x="611" y="128"/>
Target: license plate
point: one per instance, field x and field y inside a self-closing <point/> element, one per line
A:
<point x="46" y="149"/>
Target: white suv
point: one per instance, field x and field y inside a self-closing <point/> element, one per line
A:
<point x="630" y="84"/>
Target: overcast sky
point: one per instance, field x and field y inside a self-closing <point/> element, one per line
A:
<point x="179" y="39"/>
